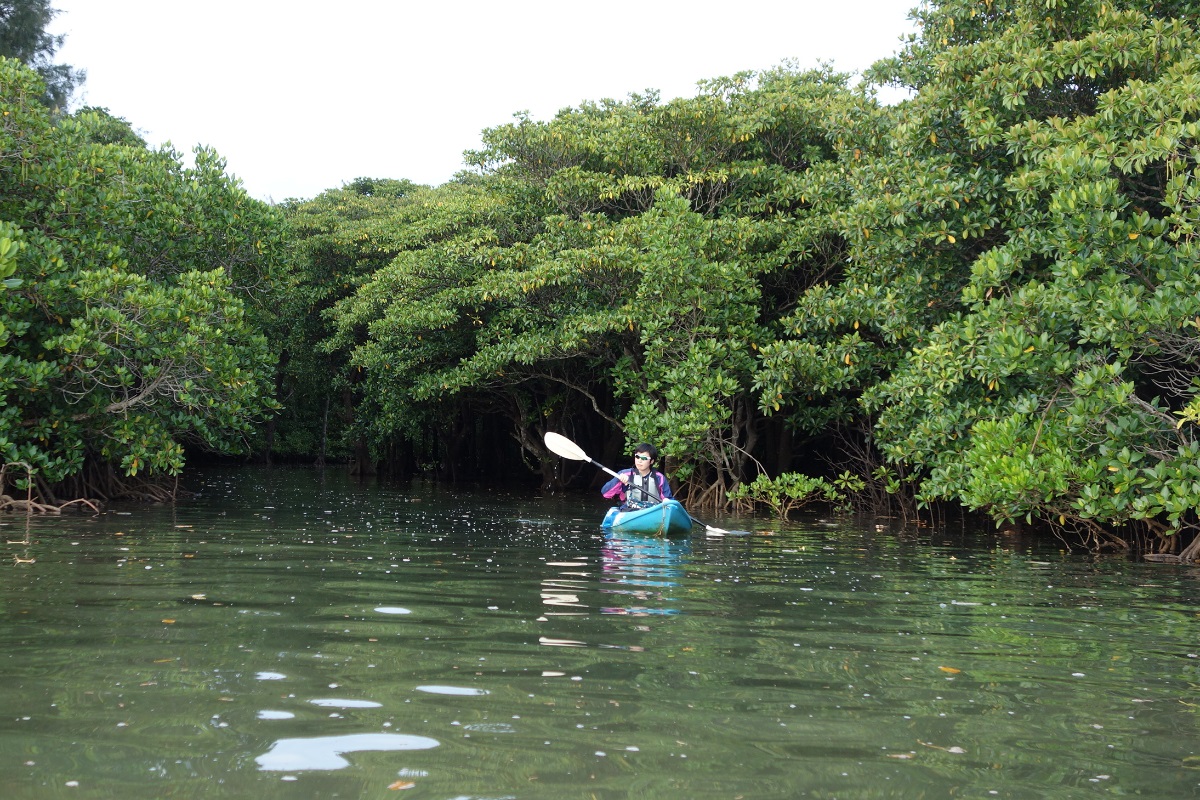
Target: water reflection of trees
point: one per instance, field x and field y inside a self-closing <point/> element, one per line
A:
<point x="638" y="571"/>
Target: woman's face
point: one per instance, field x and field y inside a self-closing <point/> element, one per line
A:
<point x="642" y="461"/>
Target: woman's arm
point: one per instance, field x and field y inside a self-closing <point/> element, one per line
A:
<point x="615" y="487"/>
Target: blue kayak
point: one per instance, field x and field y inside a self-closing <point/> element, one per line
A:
<point x="668" y="518"/>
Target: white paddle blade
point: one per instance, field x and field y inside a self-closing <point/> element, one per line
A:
<point x="562" y="446"/>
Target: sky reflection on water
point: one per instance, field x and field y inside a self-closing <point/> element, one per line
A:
<point x="327" y="752"/>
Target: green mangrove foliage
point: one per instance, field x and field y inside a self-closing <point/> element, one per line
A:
<point x="1054" y="393"/>
<point x="986" y="295"/>
<point x="793" y="490"/>
<point x="395" y="324"/>
<point x="703" y="284"/>
<point x="1018" y="321"/>
<point x="338" y="241"/>
<point x="624" y="260"/>
<point x="133" y="307"/>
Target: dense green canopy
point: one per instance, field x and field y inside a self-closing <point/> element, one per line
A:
<point x="130" y="315"/>
<point x="985" y="296"/>
<point x="623" y="261"/>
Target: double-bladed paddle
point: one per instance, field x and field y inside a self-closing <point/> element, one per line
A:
<point x="562" y="446"/>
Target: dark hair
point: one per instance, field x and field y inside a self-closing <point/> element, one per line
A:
<point x="649" y="449"/>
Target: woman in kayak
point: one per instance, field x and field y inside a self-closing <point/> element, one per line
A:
<point x="640" y="486"/>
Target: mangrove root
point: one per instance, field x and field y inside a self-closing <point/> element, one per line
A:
<point x="33" y="507"/>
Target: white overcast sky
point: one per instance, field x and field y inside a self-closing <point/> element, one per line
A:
<point x="300" y="97"/>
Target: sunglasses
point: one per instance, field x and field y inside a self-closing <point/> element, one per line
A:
<point x="641" y="458"/>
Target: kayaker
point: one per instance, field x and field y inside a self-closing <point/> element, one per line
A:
<point x="640" y="486"/>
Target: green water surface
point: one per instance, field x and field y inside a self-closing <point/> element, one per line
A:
<point x="295" y="634"/>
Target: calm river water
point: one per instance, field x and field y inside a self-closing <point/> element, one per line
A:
<point x="290" y="634"/>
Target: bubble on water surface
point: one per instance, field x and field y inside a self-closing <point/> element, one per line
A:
<point x="270" y="676"/>
<point x="392" y="610"/>
<point x="266" y="714"/>
<point x="461" y="691"/>
<point x="336" y="702"/>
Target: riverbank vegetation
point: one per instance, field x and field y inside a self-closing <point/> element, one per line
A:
<point x="986" y="296"/>
<point x="133" y="321"/>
